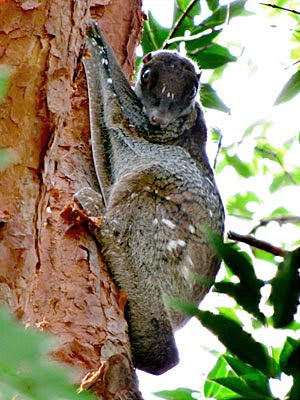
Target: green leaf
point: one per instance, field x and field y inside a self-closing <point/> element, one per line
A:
<point x="263" y="255"/>
<point x="295" y="390"/>
<point x="237" y="205"/>
<point x="279" y="181"/>
<point x="290" y="89"/>
<point x="285" y="179"/>
<point x="215" y="390"/>
<point x="242" y="297"/>
<point x="247" y="291"/>
<point x="286" y="290"/>
<point x="239" y="262"/>
<point x="278" y="212"/>
<point x="290" y="356"/>
<point x="231" y="378"/>
<point x="253" y="378"/>
<point x="212" y="4"/>
<point x="263" y="124"/>
<point x="184" y="13"/>
<point x="178" y="394"/>
<point x="241" y="167"/>
<point x="210" y="99"/>
<point x="25" y="372"/>
<point x="213" y="56"/>
<point x="8" y="156"/>
<point x="239" y="386"/>
<point x="229" y="313"/>
<point x="231" y="334"/>
<point x="199" y="42"/>
<point x="289" y="363"/>
<point x="223" y="14"/>
<point x="5" y="75"/>
<point x="154" y="34"/>
<point x="265" y="150"/>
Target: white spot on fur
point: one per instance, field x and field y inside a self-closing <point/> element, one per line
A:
<point x="186" y="272"/>
<point x="192" y="229"/>
<point x="189" y="260"/>
<point x="168" y="223"/>
<point x="209" y="181"/>
<point x="173" y="244"/>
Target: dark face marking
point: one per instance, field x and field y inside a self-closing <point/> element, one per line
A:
<point x="167" y="87"/>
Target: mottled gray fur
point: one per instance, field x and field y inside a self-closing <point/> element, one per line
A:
<point x="158" y="190"/>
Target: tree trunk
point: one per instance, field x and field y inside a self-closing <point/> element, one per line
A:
<point x="51" y="272"/>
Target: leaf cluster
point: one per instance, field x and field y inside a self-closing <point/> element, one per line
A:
<point x="244" y="372"/>
<point x="200" y="43"/>
<point x="25" y="371"/>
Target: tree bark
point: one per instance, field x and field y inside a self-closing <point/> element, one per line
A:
<point x="51" y="271"/>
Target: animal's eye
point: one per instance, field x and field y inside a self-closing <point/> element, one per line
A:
<point x="145" y="75"/>
<point x="193" y="92"/>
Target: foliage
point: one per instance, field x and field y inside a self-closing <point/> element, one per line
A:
<point x="245" y="370"/>
<point x="4" y="80"/>
<point x="249" y="366"/>
<point x="25" y="372"/>
<point x="200" y="43"/>
<point x="5" y="73"/>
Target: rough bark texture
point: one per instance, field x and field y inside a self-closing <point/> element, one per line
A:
<point x="51" y="273"/>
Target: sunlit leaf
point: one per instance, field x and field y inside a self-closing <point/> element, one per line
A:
<point x="290" y="89"/>
<point x="222" y="14"/>
<point x="239" y="386"/>
<point x="212" y="4"/>
<point x="213" y="56"/>
<point x="199" y="42"/>
<point x="210" y="99"/>
<point x="229" y="313"/>
<point x="237" y="204"/>
<point x="215" y="390"/>
<point x="253" y="377"/>
<point x="154" y="34"/>
<point x="241" y="167"/>
<point x="263" y="255"/>
<point x="262" y="124"/>
<point x="184" y="13"/>
<point x="231" y="334"/>
<point x="178" y="394"/>
<point x="279" y="211"/>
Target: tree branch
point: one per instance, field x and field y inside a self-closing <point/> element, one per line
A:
<point x="280" y="8"/>
<point x="259" y="244"/>
<point x="283" y="219"/>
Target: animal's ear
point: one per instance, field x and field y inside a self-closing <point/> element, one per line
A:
<point x="199" y="76"/>
<point x="147" y="58"/>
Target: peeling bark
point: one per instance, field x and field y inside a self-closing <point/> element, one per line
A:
<point x="51" y="271"/>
